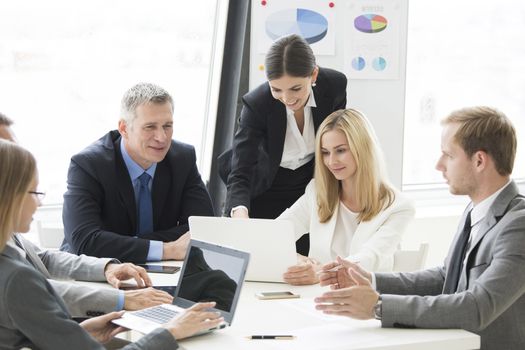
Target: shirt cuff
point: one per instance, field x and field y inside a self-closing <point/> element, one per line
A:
<point x="120" y="301"/>
<point x="374" y="284"/>
<point x="155" y="251"/>
<point x="238" y="207"/>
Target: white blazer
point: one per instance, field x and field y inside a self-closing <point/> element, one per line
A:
<point x="373" y="243"/>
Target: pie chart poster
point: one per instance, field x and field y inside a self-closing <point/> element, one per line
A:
<point x="371" y="39"/>
<point x="312" y="19"/>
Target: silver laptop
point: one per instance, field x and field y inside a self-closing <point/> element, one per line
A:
<point x="271" y="243"/>
<point x="210" y="273"/>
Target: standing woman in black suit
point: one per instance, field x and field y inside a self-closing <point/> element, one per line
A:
<point x="271" y="160"/>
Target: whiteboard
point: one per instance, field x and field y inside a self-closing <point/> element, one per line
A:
<point x="365" y="39"/>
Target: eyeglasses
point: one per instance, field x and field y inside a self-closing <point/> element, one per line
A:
<point x="39" y="195"/>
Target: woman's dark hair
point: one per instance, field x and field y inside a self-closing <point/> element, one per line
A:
<point x="290" y="55"/>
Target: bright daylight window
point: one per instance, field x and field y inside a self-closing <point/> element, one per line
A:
<point x="460" y="53"/>
<point x="64" y="66"/>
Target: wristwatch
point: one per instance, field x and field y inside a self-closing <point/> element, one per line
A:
<point x="378" y="309"/>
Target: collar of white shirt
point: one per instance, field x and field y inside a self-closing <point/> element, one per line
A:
<point x="480" y="210"/>
<point x="298" y="148"/>
<point x="309" y="103"/>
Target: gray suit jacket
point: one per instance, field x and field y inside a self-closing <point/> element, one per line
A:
<point x="81" y="301"/>
<point x="490" y="300"/>
<point x="33" y="315"/>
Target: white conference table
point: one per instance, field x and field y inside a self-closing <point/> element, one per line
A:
<point x="311" y="328"/>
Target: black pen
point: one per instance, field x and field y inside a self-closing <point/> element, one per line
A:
<point x="275" y="337"/>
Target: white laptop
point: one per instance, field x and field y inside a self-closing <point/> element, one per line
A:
<point x="210" y="273"/>
<point x="271" y="243"/>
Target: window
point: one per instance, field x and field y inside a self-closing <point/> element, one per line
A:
<point x="64" y="66"/>
<point x="460" y="53"/>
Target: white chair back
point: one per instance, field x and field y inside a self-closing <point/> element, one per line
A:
<point x="50" y="236"/>
<point x="410" y="260"/>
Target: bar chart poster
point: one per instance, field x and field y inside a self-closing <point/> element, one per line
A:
<point x="372" y="40"/>
<point x="312" y="19"/>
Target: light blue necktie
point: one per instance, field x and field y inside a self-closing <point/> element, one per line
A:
<point x="145" y="208"/>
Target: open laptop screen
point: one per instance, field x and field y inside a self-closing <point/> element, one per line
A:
<point x="212" y="273"/>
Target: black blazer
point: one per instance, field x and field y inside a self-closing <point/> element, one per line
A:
<point x="249" y="168"/>
<point x="100" y="215"/>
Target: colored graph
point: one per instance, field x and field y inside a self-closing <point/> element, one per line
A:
<point x="370" y="23"/>
<point x="379" y="63"/>
<point x="358" y="63"/>
<point x="311" y="25"/>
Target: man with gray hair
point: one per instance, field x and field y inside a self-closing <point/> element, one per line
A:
<point x="61" y="267"/>
<point x="129" y="194"/>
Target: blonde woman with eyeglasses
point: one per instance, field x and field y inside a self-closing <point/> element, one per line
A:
<point x="31" y="314"/>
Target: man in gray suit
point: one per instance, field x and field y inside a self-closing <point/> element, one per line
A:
<point x="481" y="286"/>
<point x="84" y="301"/>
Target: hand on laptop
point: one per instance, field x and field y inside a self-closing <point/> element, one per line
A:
<point x="340" y="278"/>
<point x="116" y="273"/>
<point x="194" y="320"/>
<point x="101" y="328"/>
<point x="176" y="250"/>
<point x="305" y="272"/>
<point x="142" y="298"/>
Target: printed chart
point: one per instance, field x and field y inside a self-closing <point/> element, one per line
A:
<point x="371" y="49"/>
<point x="311" y="25"/>
<point x="370" y="23"/>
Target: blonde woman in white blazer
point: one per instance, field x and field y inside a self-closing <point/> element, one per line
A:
<point x="349" y="208"/>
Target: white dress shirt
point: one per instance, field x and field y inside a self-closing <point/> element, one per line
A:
<point x="299" y="148"/>
<point x="479" y="211"/>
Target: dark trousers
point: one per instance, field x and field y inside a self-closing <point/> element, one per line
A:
<point x="288" y="185"/>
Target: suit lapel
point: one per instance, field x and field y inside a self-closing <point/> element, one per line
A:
<point x="323" y="109"/>
<point x="14" y="254"/>
<point x="32" y="256"/>
<point x="125" y="187"/>
<point x="277" y="125"/>
<point x="495" y="213"/>
<point x="160" y="189"/>
<point x="498" y="209"/>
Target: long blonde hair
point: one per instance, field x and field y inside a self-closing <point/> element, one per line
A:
<point x="18" y="170"/>
<point x="372" y="190"/>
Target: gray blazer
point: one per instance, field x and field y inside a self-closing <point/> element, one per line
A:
<point x="490" y="300"/>
<point x="57" y="266"/>
<point x="33" y="315"/>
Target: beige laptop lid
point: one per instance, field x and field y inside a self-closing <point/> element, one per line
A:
<point x="271" y="243"/>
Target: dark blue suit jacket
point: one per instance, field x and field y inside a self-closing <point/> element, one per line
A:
<point x="249" y="168"/>
<point x="100" y="214"/>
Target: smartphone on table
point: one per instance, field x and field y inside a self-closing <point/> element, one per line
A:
<point x="276" y="295"/>
<point x="159" y="268"/>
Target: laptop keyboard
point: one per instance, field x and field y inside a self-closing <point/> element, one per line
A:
<point x="157" y="314"/>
